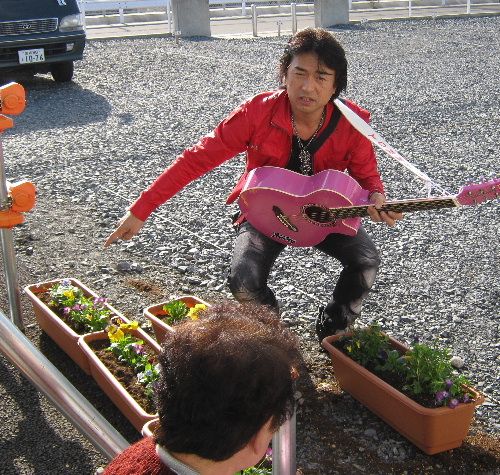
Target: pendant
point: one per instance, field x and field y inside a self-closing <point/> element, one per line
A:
<point x="305" y="162"/>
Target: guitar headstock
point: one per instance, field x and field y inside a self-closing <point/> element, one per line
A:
<point x="475" y="194"/>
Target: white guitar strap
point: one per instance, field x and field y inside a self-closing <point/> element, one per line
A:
<point x="359" y="124"/>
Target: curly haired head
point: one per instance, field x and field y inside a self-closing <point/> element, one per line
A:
<point x="222" y="378"/>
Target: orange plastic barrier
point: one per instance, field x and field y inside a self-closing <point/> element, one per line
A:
<point x="12" y="99"/>
<point x="21" y="195"/>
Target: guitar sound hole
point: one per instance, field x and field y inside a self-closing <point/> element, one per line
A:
<point x="319" y="215"/>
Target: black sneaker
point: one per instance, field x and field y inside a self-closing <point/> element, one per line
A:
<point x="327" y="325"/>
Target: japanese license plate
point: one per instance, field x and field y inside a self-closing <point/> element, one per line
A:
<point x="31" y="56"/>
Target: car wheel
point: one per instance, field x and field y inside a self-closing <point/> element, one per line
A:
<point x="62" y="72"/>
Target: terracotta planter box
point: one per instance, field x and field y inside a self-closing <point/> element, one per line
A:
<point x="155" y="312"/>
<point x="64" y="336"/>
<point x="108" y="383"/>
<point x="431" y="430"/>
<point x="149" y="427"/>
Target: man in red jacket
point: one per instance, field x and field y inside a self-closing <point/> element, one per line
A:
<point x="279" y="128"/>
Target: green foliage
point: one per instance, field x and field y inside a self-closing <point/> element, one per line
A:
<point x="391" y="361"/>
<point x="257" y="471"/>
<point x="367" y="344"/>
<point x="264" y="467"/>
<point x="88" y="312"/>
<point x="132" y="351"/>
<point x="176" y="310"/>
<point x="424" y="369"/>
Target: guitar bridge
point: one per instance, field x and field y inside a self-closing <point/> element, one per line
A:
<point x="284" y="220"/>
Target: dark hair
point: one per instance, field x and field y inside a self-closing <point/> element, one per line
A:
<point x="222" y="378"/>
<point x="330" y="52"/>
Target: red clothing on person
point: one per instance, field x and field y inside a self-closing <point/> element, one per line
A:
<point x="262" y="128"/>
<point x="138" y="459"/>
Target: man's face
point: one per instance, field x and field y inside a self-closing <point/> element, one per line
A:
<point x="309" y="83"/>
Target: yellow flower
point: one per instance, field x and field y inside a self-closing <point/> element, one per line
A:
<point x="130" y="326"/>
<point x="115" y="334"/>
<point x="69" y="293"/>
<point x="193" y="311"/>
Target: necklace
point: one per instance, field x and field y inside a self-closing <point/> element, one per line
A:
<point x="304" y="154"/>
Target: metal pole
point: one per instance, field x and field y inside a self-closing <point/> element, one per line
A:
<point x="169" y="16"/>
<point x="468" y="7"/>
<point x="82" y="11"/>
<point x="254" y="19"/>
<point x="294" y="18"/>
<point x="409" y="7"/>
<point x="243" y="8"/>
<point x="47" y="378"/>
<point x="9" y="257"/>
<point x="284" y="456"/>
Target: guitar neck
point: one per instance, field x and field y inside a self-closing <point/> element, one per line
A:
<point x="403" y="206"/>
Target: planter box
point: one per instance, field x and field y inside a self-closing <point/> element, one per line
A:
<point x="149" y="427"/>
<point x="63" y="335"/>
<point x="432" y="430"/>
<point x="109" y="384"/>
<point x="155" y="312"/>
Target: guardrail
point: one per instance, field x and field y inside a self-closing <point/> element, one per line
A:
<point x="100" y="6"/>
<point x="61" y="393"/>
<point x="220" y="9"/>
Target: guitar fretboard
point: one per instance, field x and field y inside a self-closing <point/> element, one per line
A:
<point x="405" y="206"/>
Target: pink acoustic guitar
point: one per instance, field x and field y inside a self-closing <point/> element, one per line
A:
<point x="301" y="210"/>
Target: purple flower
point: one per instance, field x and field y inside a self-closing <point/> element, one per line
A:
<point x="100" y="301"/>
<point x="448" y="384"/>
<point x="66" y="310"/>
<point x="466" y="398"/>
<point x="76" y="307"/>
<point x="453" y="403"/>
<point x="441" y="396"/>
<point x="65" y="282"/>
<point x="138" y="348"/>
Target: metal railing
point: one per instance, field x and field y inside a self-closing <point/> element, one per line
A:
<point x="122" y="6"/>
<point x="114" y="11"/>
<point x="63" y="395"/>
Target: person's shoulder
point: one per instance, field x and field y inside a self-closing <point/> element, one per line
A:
<point x="139" y="458"/>
<point x="364" y="113"/>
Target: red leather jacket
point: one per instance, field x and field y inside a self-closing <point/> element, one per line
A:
<point x="262" y="128"/>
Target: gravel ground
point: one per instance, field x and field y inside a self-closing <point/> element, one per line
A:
<point x="91" y="146"/>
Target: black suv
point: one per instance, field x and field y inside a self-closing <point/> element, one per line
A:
<point x="41" y="36"/>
